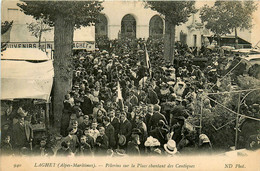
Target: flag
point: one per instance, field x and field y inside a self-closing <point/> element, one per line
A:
<point x="119" y="97"/>
<point x="147" y="60"/>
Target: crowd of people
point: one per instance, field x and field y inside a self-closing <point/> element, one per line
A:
<point x="122" y="104"/>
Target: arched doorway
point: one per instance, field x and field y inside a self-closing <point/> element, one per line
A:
<point x="128" y="26"/>
<point x="101" y="26"/>
<point x="156" y="27"/>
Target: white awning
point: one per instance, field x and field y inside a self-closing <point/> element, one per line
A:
<point x="23" y="79"/>
<point x="24" y="54"/>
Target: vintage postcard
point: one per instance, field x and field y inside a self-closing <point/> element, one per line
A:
<point x="130" y="85"/>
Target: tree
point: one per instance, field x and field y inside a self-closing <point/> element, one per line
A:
<point x="37" y="28"/>
<point x="175" y="13"/>
<point x="5" y="26"/>
<point x="64" y="16"/>
<point x="227" y="16"/>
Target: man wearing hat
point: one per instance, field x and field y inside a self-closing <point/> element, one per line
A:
<point x="110" y="132"/>
<point x="156" y="117"/>
<point x="114" y="121"/>
<point x="22" y="132"/>
<point x="125" y="127"/>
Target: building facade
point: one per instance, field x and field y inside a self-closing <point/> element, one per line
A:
<point x="134" y="19"/>
<point x="118" y="19"/>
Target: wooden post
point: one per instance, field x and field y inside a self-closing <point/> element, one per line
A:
<point x="238" y="107"/>
<point x="47" y="115"/>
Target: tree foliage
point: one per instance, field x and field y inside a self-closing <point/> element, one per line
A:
<point x="225" y="16"/>
<point x="178" y="11"/>
<point x="81" y="13"/>
<point x="5" y="26"/>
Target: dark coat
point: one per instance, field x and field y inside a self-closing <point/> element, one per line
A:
<point x="84" y="150"/>
<point x="147" y="120"/>
<point x="22" y="135"/>
<point x="83" y="126"/>
<point x="125" y="129"/>
<point x="87" y="106"/>
<point x="90" y="141"/>
<point x="133" y="149"/>
<point x="115" y="123"/>
<point x="73" y="142"/>
<point x="152" y="97"/>
<point x="110" y="133"/>
<point x="142" y="127"/>
<point x="65" y="119"/>
<point x="76" y="110"/>
<point x="102" y="149"/>
<point x="155" y="120"/>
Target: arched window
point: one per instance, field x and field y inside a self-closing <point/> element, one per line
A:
<point x="101" y="26"/>
<point x="156" y="26"/>
<point x="128" y="26"/>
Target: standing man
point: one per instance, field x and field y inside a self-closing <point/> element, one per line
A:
<point x="125" y="127"/>
<point x="156" y="117"/>
<point x="148" y="116"/>
<point x="115" y="123"/>
<point x="22" y="134"/>
<point x="110" y="132"/>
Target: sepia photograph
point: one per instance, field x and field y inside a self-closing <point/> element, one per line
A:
<point x="130" y="84"/>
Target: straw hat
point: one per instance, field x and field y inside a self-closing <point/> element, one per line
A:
<point x="121" y="140"/>
<point x="170" y="147"/>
